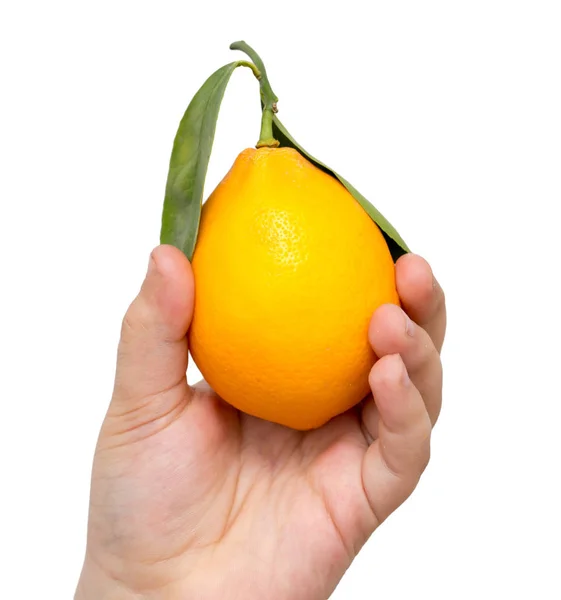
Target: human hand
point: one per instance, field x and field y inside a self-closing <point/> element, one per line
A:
<point x="193" y="499"/>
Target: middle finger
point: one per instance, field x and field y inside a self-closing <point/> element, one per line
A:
<point x="392" y="332"/>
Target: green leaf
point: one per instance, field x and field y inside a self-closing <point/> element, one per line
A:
<point x="395" y="242"/>
<point x="189" y="162"/>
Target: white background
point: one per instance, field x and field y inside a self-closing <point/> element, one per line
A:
<point x="447" y="115"/>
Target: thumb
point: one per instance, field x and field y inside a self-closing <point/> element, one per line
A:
<point x="152" y="355"/>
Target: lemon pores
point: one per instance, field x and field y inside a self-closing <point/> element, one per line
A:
<point x="288" y="271"/>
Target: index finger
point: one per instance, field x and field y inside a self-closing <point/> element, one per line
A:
<point x="421" y="296"/>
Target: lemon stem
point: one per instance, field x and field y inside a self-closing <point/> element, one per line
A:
<point x="250" y="65"/>
<point x="268" y="98"/>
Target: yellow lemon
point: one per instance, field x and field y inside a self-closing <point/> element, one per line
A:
<point x="288" y="271"/>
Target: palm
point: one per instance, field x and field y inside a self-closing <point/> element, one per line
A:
<point x="236" y="486"/>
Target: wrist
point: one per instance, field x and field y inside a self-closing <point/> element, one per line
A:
<point x="96" y="584"/>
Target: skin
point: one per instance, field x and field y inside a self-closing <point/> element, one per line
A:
<point x="192" y="499"/>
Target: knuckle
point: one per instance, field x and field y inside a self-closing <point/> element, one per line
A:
<point x="425" y="356"/>
<point x="425" y="445"/>
<point x="440" y="297"/>
<point x="136" y="320"/>
<point x="127" y="325"/>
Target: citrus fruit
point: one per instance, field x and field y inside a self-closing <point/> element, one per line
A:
<point x="288" y="270"/>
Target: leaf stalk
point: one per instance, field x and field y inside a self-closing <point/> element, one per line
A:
<point x="268" y="98"/>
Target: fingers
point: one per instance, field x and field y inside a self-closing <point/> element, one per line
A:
<point x="421" y="296"/>
<point x="406" y="385"/>
<point x="152" y="356"/>
<point x="392" y="332"/>
<point x="394" y="463"/>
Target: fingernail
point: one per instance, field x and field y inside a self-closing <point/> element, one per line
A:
<point x="409" y="325"/>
